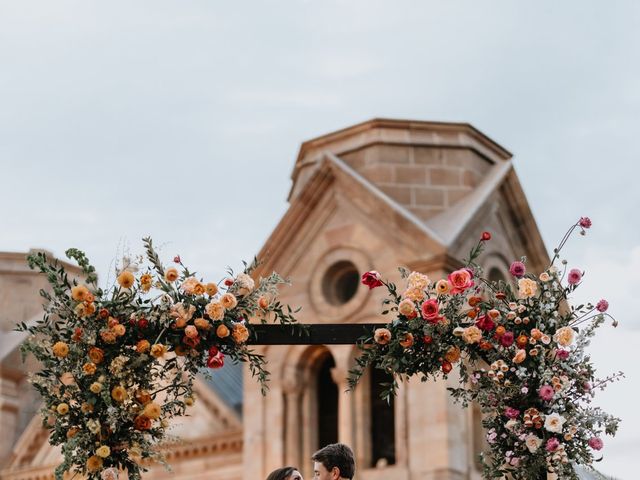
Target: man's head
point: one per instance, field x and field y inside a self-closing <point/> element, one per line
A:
<point x="334" y="462"/>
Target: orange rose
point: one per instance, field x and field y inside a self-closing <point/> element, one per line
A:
<point x="222" y="331"/>
<point x="142" y="422"/>
<point x="158" y="350"/>
<point x="60" y="349"/>
<point x="263" y="303"/>
<point x="96" y="355"/>
<point x="108" y="336"/>
<point x="119" y="394"/>
<point x="452" y="355"/>
<point x="79" y="293"/>
<point x="119" y="330"/>
<point x="126" y="279"/>
<point x="143" y="397"/>
<point x="89" y="368"/>
<point x="522" y="341"/>
<point x="94" y="463"/>
<point x="211" y="289"/>
<point x="143" y="346"/>
<point x="407" y="341"/>
<point x="500" y="331"/>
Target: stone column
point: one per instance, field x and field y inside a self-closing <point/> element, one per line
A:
<point x="292" y="388"/>
<point x="9" y="408"/>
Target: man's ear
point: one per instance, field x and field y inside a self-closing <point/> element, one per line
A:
<point x="335" y="473"/>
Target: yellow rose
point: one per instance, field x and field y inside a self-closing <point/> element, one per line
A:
<point x="126" y="279"/>
<point x="564" y="336"/>
<point x="143" y="346"/>
<point x="527" y="288"/>
<point x="158" y="350"/>
<point x="240" y="333"/>
<point x="60" y="349"/>
<point x="94" y="463"/>
<point x="96" y="387"/>
<point x="229" y="301"/>
<point x="215" y="310"/>
<point x="62" y="409"/>
<point x="103" y="451"/>
<point x="171" y="275"/>
<point x="222" y="331"/>
<point x="211" y="289"/>
<point x="79" y="293"/>
<point x="152" y="410"/>
<point x="119" y="394"/>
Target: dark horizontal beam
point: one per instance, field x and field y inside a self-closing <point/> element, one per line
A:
<point x="312" y="334"/>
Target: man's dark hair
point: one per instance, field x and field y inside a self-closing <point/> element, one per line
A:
<point x="337" y="455"/>
<point x="281" y="473"/>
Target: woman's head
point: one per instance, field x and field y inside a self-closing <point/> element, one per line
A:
<point x="285" y="473"/>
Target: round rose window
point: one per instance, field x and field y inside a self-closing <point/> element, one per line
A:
<point x="340" y="282"/>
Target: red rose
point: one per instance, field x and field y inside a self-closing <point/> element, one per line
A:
<point x="371" y="279"/>
<point x="485" y="323"/>
<point x="428" y="339"/>
<point x="176" y="259"/>
<point x="486" y="236"/>
<point x="142" y="422"/>
<point x="228" y="282"/>
<point x="143" y="323"/>
<point x="217" y="361"/>
<point x="506" y="340"/>
<point x="446" y="367"/>
<point x="191" y="342"/>
<point x="213" y="351"/>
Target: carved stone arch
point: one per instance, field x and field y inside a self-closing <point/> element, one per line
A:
<point x="495" y="265"/>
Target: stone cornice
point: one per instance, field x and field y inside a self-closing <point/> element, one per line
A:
<point x="16" y="263"/>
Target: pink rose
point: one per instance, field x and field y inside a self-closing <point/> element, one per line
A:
<point x="517" y="269"/>
<point x="430" y="309"/>
<point x="562" y="354"/>
<point x="512" y="413"/>
<point x="574" y="276"/>
<point x="372" y="279"/>
<point x="552" y="444"/>
<point x="176" y="259"/>
<point x="506" y="340"/>
<point x="602" y="306"/>
<point x="596" y="443"/>
<point x="585" y="222"/>
<point x="546" y="392"/>
<point x="460" y="280"/>
<point x="191" y="331"/>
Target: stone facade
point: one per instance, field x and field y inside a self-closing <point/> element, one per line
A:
<point x="376" y="195"/>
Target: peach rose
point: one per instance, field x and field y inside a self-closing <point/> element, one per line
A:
<point x="564" y="336"/>
<point x="119" y="330"/>
<point x="171" y="274"/>
<point x="146" y="281"/>
<point x="96" y="387"/>
<point x="520" y="356"/>
<point x="189" y="286"/>
<point x="191" y="331"/>
<point x="443" y="287"/>
<point x="142" y="396"/>
<point x="382" y="336"/>
<point x="202" y="323"/>
<point x="452" y="355"/>
<point x="229" y="301"/>
<point x="119" y="394"/>
<point x="152" y="410"/>
<point x="62" y="409"/>
<point x="414" y="294"/>
<point x="89" y="368"/>
<point x="215" y="310"/>
<point x="406" y="307"/>
<point x="211" y="289"/>
<point x="158" y="350"/>
<point x="472" y="334"/>
<point x="143" y="346"/>
<point x="239" y="332"/>
<point x="527" y="288"/>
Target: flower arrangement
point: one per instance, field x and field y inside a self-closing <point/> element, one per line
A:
<point x="117" y="364"/>
<point x="519" y="349"/>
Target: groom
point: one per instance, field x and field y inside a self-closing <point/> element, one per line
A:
<point x="334" y="462"/>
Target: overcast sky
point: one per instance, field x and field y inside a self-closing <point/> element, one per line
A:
<point x="182" y="120"/>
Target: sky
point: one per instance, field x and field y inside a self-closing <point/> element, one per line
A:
<point x="182" y="120"/>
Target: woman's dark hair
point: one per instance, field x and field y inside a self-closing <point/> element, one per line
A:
<point x="281" y="473"/>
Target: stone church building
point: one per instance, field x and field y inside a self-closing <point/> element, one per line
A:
<point x="374" y="196"/>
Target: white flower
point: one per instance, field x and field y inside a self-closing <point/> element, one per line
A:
<point x="511" y="425"/>
<point x="458" y="331"/>
<point x="244" y="283"/>
<point x="533" y="443"/>
<point x="93" y="426"/>
<point x="109" y="474"/>
<point x="554" y="422"/>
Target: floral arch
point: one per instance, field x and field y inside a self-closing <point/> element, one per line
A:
<point x="117" y="364"/>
